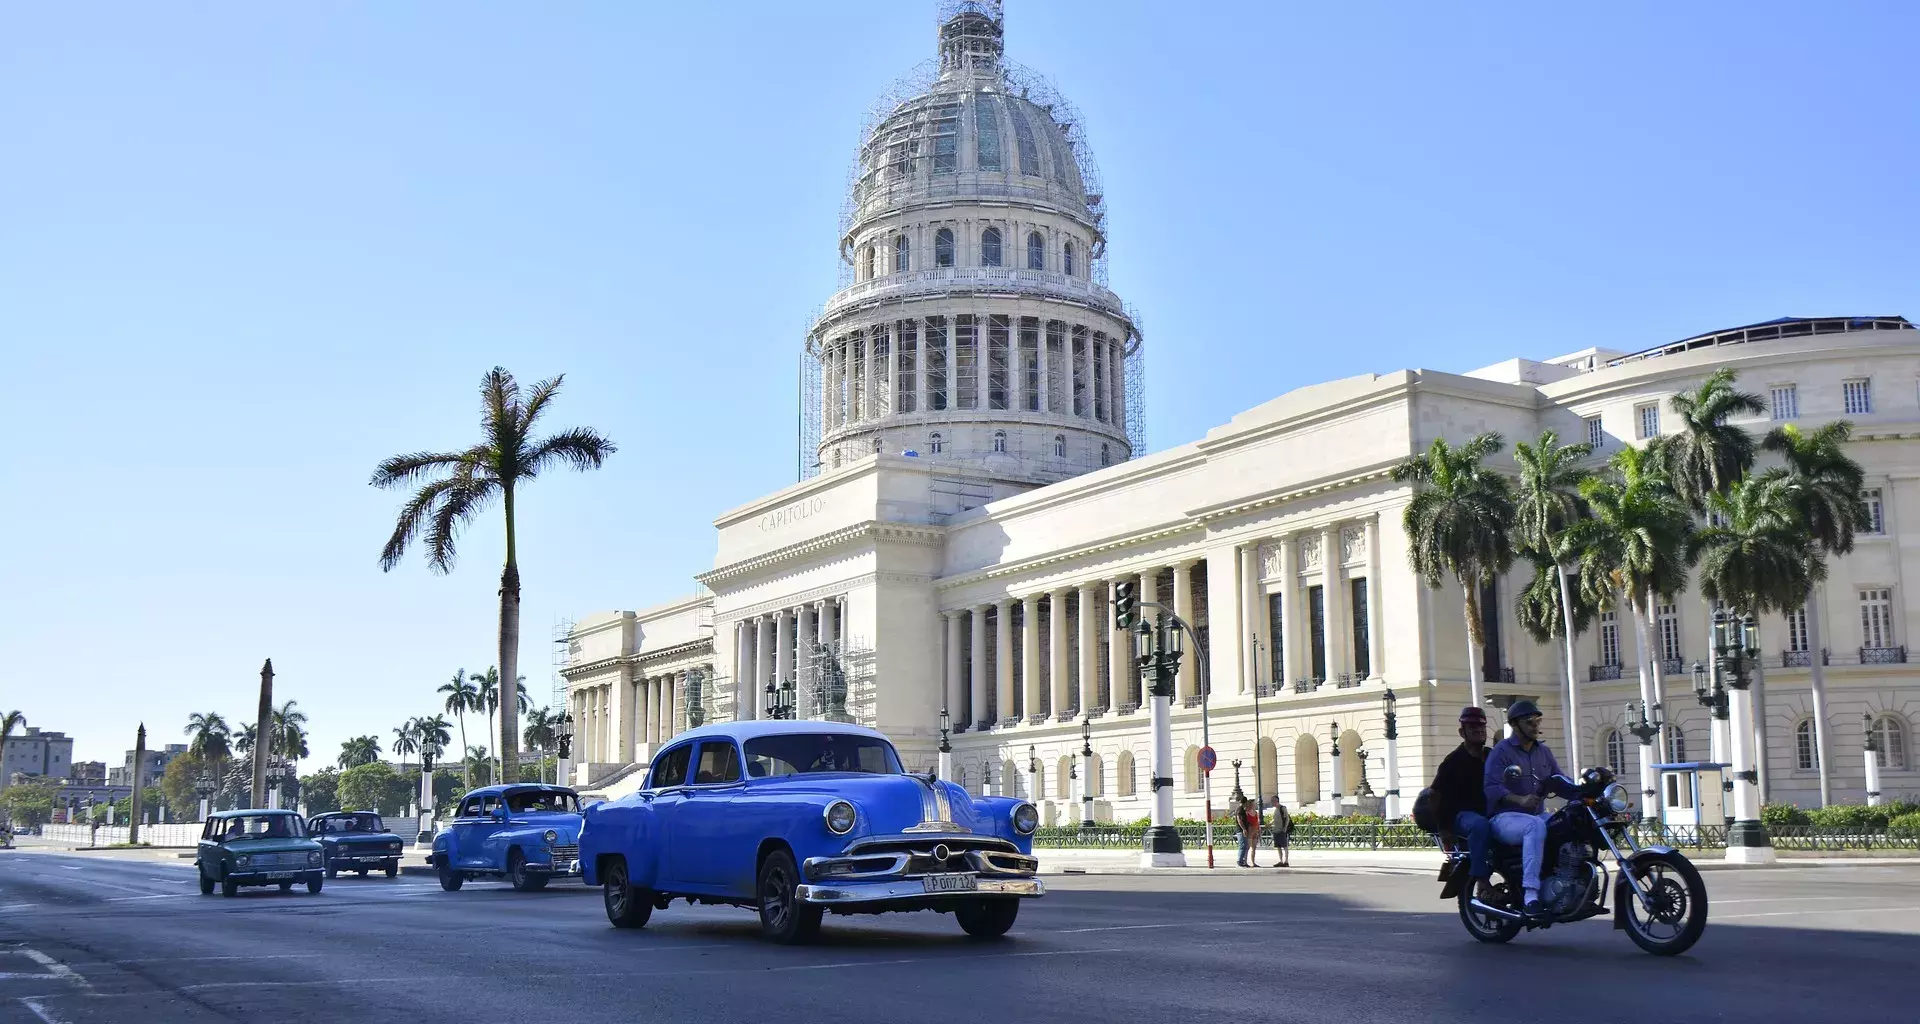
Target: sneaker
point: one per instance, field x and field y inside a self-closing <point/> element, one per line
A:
<point x="1536" y="909"/>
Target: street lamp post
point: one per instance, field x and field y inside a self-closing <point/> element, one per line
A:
<point x="1393" y="755"/>
<point x="780" y="701"/>
<point x="1033" y="774"/>
<point x="1259" y="796"/>
<point x="1873" y="762"/>
<point x="1709" y="688"/>
<point x="1339" y="772"/>
<point x="563" y="739"/>
<point x="1086" y="772"/>
<point x="1736" y="646"/>
<point x="425" y="824"/>
<point x="945" y="769"/>
<point x="1158" y="649"/>
<point x="1652" y="721"/>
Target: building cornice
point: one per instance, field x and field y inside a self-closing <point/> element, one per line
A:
<point x="873" y="529"/>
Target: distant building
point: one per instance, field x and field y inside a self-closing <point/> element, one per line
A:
<point x="34" y="752"/>
<point x="156" y="766"/>
<point x="88" y="773"/>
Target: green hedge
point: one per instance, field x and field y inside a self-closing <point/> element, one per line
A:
<point x="1907" y="824"/>
<point x="1857" y="817"/>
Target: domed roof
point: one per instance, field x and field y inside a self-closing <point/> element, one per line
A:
<point x="972" y="126"/>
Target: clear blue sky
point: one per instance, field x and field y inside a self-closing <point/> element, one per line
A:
<point x="248" y="250"/>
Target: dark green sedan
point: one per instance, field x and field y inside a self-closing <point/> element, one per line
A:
<point x="257" y="847"/>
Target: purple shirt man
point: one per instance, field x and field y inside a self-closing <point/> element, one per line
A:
<point x="1515" y="807"/>
<point x="1536" y="765"/>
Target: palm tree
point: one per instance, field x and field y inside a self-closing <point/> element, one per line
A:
<point x="1460" y="524"/>
<point x="1709" y="455"/>
<point x="289" y="733"/>
<point x="540" y="734"/>
<point x="434" y="734"/>
<point x="461" y="698"/>
<point x="478" y="763"/>
<point x="1823" y="485"/>
<point x="10" y="722"/>
<point x="244" y="739"/>
<point x="455" y="487"/>
<point x="210" y="741"/>
<point x="1635" y="540"/>
<point x="406" y="740"/>
<point x="1547" y="507"/>
<point x="488" y="695"/>
<point x="358" y="751"/>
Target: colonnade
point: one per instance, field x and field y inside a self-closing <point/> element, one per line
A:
<point x="771" y="648"/>
<point x="614" y="721"/>
<point x="1301" y="599"/>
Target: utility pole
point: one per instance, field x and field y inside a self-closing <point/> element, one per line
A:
<point x="263" y="736"/>
<point x="139" y="769"/>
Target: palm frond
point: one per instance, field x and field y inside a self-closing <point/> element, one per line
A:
<point x="582" y="448"/>
<point x="402" y="469"/>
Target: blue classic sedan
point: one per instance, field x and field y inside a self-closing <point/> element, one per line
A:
<point x="528" y="833"/>
<point x="794" y="819"/>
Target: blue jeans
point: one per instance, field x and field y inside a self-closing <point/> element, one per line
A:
<point x="1473" y="827"/>
<point x="1529" y="833"/>
<point x="1246" y="841"/>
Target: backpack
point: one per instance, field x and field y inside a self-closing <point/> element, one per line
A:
<point x="1423" y="812"/>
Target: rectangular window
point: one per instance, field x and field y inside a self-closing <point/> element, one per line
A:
<point x="1858" y="394"/>
<point x="1079" y="370"/>
<point x="936" y="363"/>
<point x="1362" y="652"/>
<point x="1596" y="437"/>
<point x="1056" y="365"/>
<point x="882" y="359"/>
<point x="1797" y="629"/>
<point x="1317" y="621"/>
<point x="1876" y="515"/>
<point x="1876" y="618"/>
<point x="1030" y="364"/>
<point x="1099" y="376"/>
<point x="1784" y="401"/>
<point x="905" y="369"/>
<point x="966" y="363"/>
<point x="998" y="329"/>
<point x="986" y="133"/>
<point x="1805" y="742"/>
<point x="856" y="379"/>
<point x="1647" y="417"/>
<point x="1609" y="638"/>
<point x="946" y="139"/>
<point x="1023" y="140"/>
<point x="1669" y="633"/>
<point x="1277" y="634"/>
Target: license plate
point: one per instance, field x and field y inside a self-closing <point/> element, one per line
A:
<point x="950" y="883"/>
<point x="278" y="875"/>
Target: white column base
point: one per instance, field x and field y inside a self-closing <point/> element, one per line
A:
<point x="1163" y="860"/>
<point x="1750" y="855"/>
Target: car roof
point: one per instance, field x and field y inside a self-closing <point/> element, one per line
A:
<point x="345" y="814"/>
<point x="776" y="727"/>
<point x="253" y="811"/>
<point x="516" y="787"/>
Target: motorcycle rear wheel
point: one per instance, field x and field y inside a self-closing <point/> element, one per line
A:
<point x="1486" y="927"/>
<point x="1678" y="914"/>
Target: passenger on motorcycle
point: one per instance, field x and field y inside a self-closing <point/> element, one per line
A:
<point x="1514" y="803"/>
<point x="1459" y="796"/>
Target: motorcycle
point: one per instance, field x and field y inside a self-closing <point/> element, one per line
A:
<point x="1659" y="899"/>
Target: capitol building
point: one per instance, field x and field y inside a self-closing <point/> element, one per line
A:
<point x="974" y="483"/>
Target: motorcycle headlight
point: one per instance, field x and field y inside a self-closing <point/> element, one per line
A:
<point x="840" y="817"/>
<point x="313" y="859"/>
<point x="1025" y="819"/>
<point x="242" y="861"/>
<point x="1616" y="798"/>
<point x="550" y="836"/>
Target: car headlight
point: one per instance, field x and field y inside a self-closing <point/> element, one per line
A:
<point x="551" y="837"/>
<point x="394" y="845"/>
<point x="242" y="861"/>
<point x="840" y="817"/>
<point x="313" y="858"/>
<point x="1025" y="819"/>
<point x="1616" y="798"/>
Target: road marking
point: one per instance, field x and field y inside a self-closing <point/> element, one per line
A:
<point x="250" y="956"/>
<point x="69" y="867"/>
<point x="18" y="906"/>
<point x="1137" y="927"/>
<point x="1803" y="913"/>
<point x="1790" y="899"/>
<point x="288" y="984"/>
<point x="55" y="967"/>
<point x="42" y="1012"/>
<point x="157" y="896"/>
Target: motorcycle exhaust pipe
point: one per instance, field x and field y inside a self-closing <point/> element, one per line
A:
<point x="1500" y="912"/>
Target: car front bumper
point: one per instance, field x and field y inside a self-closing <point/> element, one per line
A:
<point x="363" y="856"/>
<point x="558" y="869"/>
<point x="912" y="890"/>
<point x="272" y="876"/>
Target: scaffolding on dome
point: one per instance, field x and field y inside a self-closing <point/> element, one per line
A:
<point x="565" y="648"/>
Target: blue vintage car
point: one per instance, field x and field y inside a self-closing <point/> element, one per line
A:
<point x="794" y="819"/>
<point x="530" y="834"/>
<point x="256" y="847"/>
<point x="355" y="841"/>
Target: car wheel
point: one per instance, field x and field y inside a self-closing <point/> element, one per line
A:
<point x="783" y="917"/>
<point x="206" y="884"/>
<point x="327" y="860"/>
<point x="393" y="868"/>
<point x="450" y="880"/>
<point x="229" y="887"/>
<point x="987" y="919"/>
<point x="522" y="879"/>
<point x="314" y="884"/>
<point x="627" y="907"/>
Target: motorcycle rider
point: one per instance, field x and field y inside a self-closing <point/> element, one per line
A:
<point x="1514" y="805"/>
<point x="1459" y="797"/>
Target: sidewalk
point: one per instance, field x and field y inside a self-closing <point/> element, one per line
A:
<point x="1055" y="861"/>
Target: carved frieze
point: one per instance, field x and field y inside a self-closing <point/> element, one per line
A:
<point x="1269" y="561"/>
<point x="1353" y="543"/>
<point x="1310" y="551"/>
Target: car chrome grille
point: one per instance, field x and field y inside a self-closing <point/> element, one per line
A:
<point x="563" y="854"/>
<point x="278" y="860"/>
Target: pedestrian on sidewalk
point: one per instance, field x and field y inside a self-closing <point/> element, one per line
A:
<point x="1250" y="825"/>
<point x="1237" y="806"/>
<point x="1282" y="832"/>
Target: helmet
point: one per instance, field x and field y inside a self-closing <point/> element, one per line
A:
<point x="1471" y="713"/>
<point x="1522" y="709"/>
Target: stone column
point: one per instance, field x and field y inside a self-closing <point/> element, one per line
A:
<point x="669" y="699"/>
<point x="742" y="666"/>
<point x="782" y="647"/>
<point x="1116" y="382"/>
<point x="1331" y="579"/>
<point x="1289" y="611"/>
<point x="643" y="707"/>
<point x="1030" y="653"/>
<point x="1376" y="603"/>
<point x="977" y="654"/>
<point x="1046" y="362"/>
<point x="763" y="671"/>
<point x="1003" y="655"/>
<point x="805" y="633"/>
<point x="1119" y="655"/>
<point x="828" y="617"/>
<point x="919" y="366"/>
<point x="870" y="401"/>
<point x="1057" y="651"/>
<point x="1251" y="613"/>
<point x="1185" y="681"/>
<point x="621" y="712"/>
<point x="955" y="682"/>
<point x="953" y="361"/>
<point x="1089" y="651"/>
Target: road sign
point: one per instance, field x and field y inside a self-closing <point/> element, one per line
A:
<point x="1208" y="759"/>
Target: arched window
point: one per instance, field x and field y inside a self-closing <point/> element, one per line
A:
<point x="1097" y="781"/>
<point x="990" y="247"/>
<point x="1063" y="779"/>
<point x="1806" y="746"/>
<point x="1195" y="783"/>
<point x="1037" y="782"/>
<point x="1059" y="446"/>
<point x="1036" y="252"/>
<point x="1007" y="774"/>
<point x="901" y="247"/>
<point x="1106" y="454"/>
<point x="1123" y="777"/>
<point x="1350" y="747"/>
<point x="1000" y="441"/>
<point x="873" y="262"/>
<point x="1616" y="749"/>
<point x="1890" y="736"/>
<point x="933" y="444"/>
<point x="1268" y="772"/>
<point x="943" y="248"/>
<point x="1066" y="259"/>
<point x="1306" y="770"/>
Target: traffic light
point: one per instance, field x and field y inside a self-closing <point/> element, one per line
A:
<point x="1124" y="605"/>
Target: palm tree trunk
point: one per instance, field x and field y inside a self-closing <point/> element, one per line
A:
<point x="1573" y="690"/>
<point x="1473" y="642"/>
<point x="466" y="774"/>
<point x="509" y="649"/>
<point x="1664" y="742"/>
<point x="1818" y="673"/>
<point x="1759" y="727"/>
<point x="1649" y="784"/>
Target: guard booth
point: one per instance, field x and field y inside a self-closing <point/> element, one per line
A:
<point x="1695" y="792"/>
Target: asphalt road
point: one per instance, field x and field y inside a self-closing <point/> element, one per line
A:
<point x="87" y="938"/>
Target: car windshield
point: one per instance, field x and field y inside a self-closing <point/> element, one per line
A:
<point x="263" y="826"/>
<point x="353" y="823"/>
<point x="803" y="753"/>
<point x="537" y="801"/>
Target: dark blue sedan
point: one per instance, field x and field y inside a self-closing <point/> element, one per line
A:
<point x="355" y="841"/>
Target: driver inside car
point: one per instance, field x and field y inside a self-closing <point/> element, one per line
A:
<point x="1514" y="804"/>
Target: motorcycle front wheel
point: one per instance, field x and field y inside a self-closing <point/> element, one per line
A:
<point x="1676" y="910"/>
<point x="1483" y="926"/>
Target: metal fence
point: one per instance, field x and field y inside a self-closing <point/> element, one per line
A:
<point x="1406" y="836"/>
